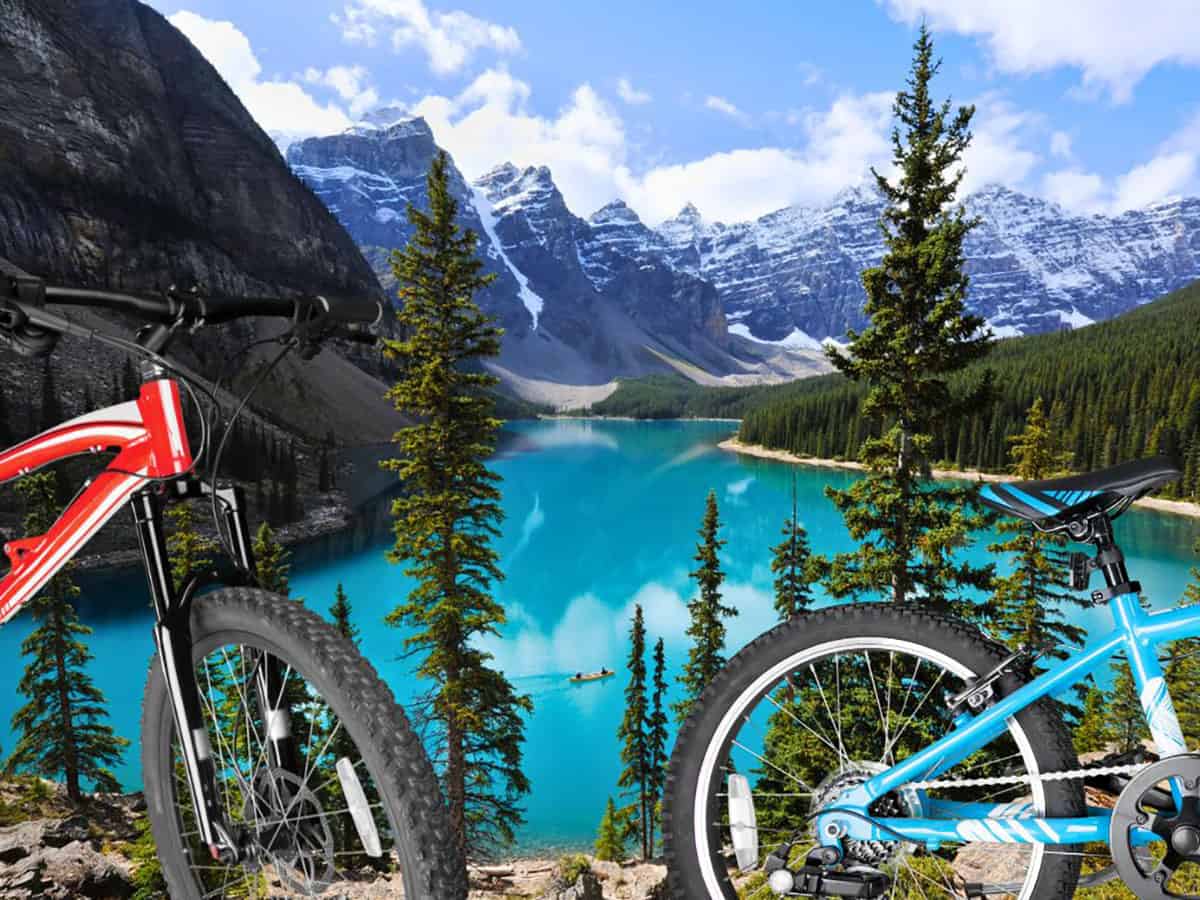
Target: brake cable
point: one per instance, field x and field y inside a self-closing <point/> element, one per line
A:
<point x="288" y="341"/>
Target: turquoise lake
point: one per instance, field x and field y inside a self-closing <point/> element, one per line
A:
<point x="600" y="516"/>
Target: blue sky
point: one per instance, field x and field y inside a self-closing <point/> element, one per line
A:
<point x="1094" y="104"/>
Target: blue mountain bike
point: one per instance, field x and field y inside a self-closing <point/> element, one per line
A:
<point x="878" y="750"/>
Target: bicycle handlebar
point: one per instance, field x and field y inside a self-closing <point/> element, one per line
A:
<point x="25" y="295"/>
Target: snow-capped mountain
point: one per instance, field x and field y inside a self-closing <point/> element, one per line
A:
<point x="1033" y="267"/>
<point x="587" y="300"/>
<point x="580" y="303"/>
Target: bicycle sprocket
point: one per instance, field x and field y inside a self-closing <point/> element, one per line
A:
<point x="1148" y="804"/>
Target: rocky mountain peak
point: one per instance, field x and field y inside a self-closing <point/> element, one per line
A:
<point x="615" y="213"/>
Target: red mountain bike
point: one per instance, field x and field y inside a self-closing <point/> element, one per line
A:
<point x="275" y="761"/>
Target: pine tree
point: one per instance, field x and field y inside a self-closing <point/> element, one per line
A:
<point x="911" y="530"/>
<point x="657" y="736"/>
<point x="188" y="550"/>
<point x="272" y="565"/>
<point x="61" y="728"/>
<point x="635" y="745"/>
<point x="707" y="630"/>
<point x="1026" y="604"/>
<point x="1124" y="720"/>
<point x="1092" y="732"/>
<point x="610" y="846"/>
<point x="339" y="613"/>
<point x="448" y="515"/>
<point x="794" y="566"/>
<point x="1182" y="669"/>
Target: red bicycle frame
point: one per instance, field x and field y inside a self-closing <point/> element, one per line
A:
<point x="152" y="467"/>
<point x="151" y="442"/>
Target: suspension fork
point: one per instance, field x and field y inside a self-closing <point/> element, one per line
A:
<point x="173" y="638"/>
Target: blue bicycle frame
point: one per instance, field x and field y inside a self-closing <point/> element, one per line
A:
<point x="1137" y="634"/>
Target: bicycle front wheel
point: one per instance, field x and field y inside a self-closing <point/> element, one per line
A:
<point x="360" y="801"/>
<point x="822" y="703"/>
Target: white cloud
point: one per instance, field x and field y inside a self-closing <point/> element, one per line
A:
<point x="631" y="95"/>
<point x="449" y="39"/>
<point x="999" y="147"/>
<point x="1114" y="42"/>
<point x="725" y="108"/>
<point x="585" y="146"/>
<point x="841" y="144"/>
<point x="489" y="122"/>
<point x="349" y="82"/>
<point x="1080" y="192"/>
<point x="1060" y="145"/>
<point x="1173" y="170"/>
<point x="1162" y="177"/>
<point x="278" y="106"/>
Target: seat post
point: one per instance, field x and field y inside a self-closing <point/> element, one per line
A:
<point x="1109" y="558"/>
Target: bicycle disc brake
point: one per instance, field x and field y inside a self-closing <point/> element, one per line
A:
<point x="291" y="831"/>
<point x="1149" y="803"/>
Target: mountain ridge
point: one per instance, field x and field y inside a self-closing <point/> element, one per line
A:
<point x="589" y="299"/>
<point x="578" y="309"/>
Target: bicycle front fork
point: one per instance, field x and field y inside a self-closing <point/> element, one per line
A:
<point x="173" y="638"/>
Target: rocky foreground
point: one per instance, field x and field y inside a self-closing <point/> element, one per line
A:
<point x="52" y="850"/>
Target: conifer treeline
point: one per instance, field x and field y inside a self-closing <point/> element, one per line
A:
<point x="1117" y="390"/>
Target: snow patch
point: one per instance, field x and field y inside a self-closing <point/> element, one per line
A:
<point x="534" y="303"/>
<point x="383" y="215"/>
<point x="1075" y="318"/>
<point x="1005" y="331"/>
<point x="797" y="340"/>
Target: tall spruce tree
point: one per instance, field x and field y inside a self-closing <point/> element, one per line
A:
<point x="908" y="527"/>
<point x="657" y="736"/>
<point x="448" y="515"/>
<point x="635" y="743"/>
<point x="794" y="566"/>
<point x="707" y="629"/>
<point x="1027" y="604"/>
<point x="271" y="561"/>
<point x="61" y="729"/>
<point x="188" y="551"/>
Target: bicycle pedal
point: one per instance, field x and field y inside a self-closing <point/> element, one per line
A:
<point x="813" y="881"/>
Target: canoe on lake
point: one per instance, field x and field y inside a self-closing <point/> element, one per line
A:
<point x="592" y="676"/>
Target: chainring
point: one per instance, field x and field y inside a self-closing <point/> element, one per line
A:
<point x="1147" y="804"/>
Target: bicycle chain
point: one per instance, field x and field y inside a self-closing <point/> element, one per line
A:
<point x="1128" y="769"/>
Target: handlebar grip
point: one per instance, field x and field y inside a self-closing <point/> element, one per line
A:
<point x="357" y="310"/>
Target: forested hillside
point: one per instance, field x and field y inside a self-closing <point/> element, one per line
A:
<point x="1119" y="390"/>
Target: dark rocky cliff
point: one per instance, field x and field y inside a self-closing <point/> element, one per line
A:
<point x="127" y="162"/>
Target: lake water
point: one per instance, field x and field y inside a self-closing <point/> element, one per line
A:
<point x="601" y="516"/>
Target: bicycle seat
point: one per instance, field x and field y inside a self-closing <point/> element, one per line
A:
<point x="1061" y="500"/>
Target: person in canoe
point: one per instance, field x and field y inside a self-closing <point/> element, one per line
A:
<point x="592" y="676"/>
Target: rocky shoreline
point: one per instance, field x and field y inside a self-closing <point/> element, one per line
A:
<point x="733" y="445"/>
<point x="53" y="850"/>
